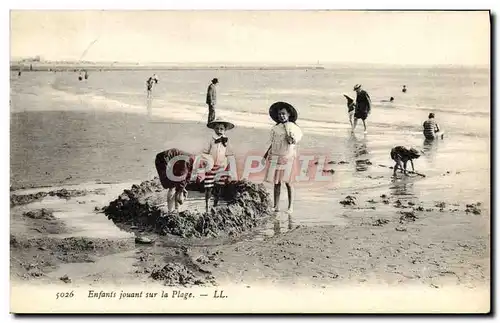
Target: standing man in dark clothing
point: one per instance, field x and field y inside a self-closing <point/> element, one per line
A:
<point x="212" y="99"/>
<point x="363" y="106"/>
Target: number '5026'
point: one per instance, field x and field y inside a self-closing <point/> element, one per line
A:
<point x="65" y="295"/>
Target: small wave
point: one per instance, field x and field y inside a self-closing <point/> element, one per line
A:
<point x="403" y="107"/>
<point x="192" y="110"/>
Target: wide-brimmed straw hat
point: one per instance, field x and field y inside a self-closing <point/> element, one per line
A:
<point x="349" y="99"/>
<point x="219" y="120"/>
<point x="275" y="107"/>
<point x="357" y="86"/>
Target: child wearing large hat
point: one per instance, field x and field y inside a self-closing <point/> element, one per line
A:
<point x="217" y="149"/>
<point x="281" y="157"/>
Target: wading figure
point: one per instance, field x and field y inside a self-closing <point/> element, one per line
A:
<point x="363" y="106"/>
<point x="212" y="99"/>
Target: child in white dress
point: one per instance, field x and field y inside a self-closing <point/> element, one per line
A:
<point x="281" y="157"/>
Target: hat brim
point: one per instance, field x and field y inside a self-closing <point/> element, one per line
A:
<point x="275" y="107"/>
<point x="226" y="124"/>
<point x="349" y="99"/>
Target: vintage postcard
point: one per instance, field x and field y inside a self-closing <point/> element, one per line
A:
<point x="250" y="161"/>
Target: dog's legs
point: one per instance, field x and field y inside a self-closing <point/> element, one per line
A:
<point x="404" y="165"/>
<point x="412" y="168"/>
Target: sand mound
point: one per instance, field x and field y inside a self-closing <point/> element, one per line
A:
<point x="174" y="274"/>
<point x="44" y="214"/>
<point x="144" y="206"/>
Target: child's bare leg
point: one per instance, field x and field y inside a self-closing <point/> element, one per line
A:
<point x="364" y="124"/>
<point x="176" y="205"/>
<point x="217" y="193"/>
<point x="277" y="192"/>
<point x="208" y="196"/>
<point x="290" y="191"/>
<point x="170" y="199"/>
<point x="355" y="124"/>
<point x="396" y="166"/>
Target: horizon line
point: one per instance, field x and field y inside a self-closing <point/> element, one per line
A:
<point x="240" y="63"/>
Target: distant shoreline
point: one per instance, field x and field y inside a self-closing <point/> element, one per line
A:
<point x="75" y="67"/>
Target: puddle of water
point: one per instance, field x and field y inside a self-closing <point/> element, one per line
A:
<point x="110" y="267"/>
<point x="78" y="212"/>
<point x="313" y="207"/>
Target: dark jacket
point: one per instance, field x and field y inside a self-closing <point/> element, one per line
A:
<point x="363" y="101"/>
<point x="211" y="94"/>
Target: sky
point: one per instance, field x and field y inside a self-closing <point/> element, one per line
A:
<point x="390" y="37"/>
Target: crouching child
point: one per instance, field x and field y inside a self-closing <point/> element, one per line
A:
<point x="401" y="155"/>
<point x="174" y="169"/>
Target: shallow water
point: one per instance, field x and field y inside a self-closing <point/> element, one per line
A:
<point x="457" y="168"/>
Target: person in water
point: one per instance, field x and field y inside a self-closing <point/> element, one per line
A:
<point x="150" y="82"/>
<point x="363" y="106"/>
<point x="431" y="128"/>
<point x="281" y="156"/>
<point x="211" y="99"/>
<point x="218" y="148"/>
<point x="404" y="89"/>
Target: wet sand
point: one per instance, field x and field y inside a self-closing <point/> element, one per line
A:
<point x="377" y="241"/>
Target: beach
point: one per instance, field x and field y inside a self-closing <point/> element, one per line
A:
<point x="99" y="137"/>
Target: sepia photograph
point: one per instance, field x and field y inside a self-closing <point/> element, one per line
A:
<point x="250" y="161"/>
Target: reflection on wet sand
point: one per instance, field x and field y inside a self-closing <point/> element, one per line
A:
<point x="277" y="225"/>
<point x="149" y="106"/>
<point x="429" y="149"/>
<point x="359" y="149"/>
<point x="402" y="186"/>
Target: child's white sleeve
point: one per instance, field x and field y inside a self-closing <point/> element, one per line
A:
<point x="296" y="133"/>
<point x="270" y="138"/>
<point x="229" y="149"/>
<point x="207" y="148"/>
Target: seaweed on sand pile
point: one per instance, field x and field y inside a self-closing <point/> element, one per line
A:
<point x="144" y="206"/>
<point x="174" y="274"/>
